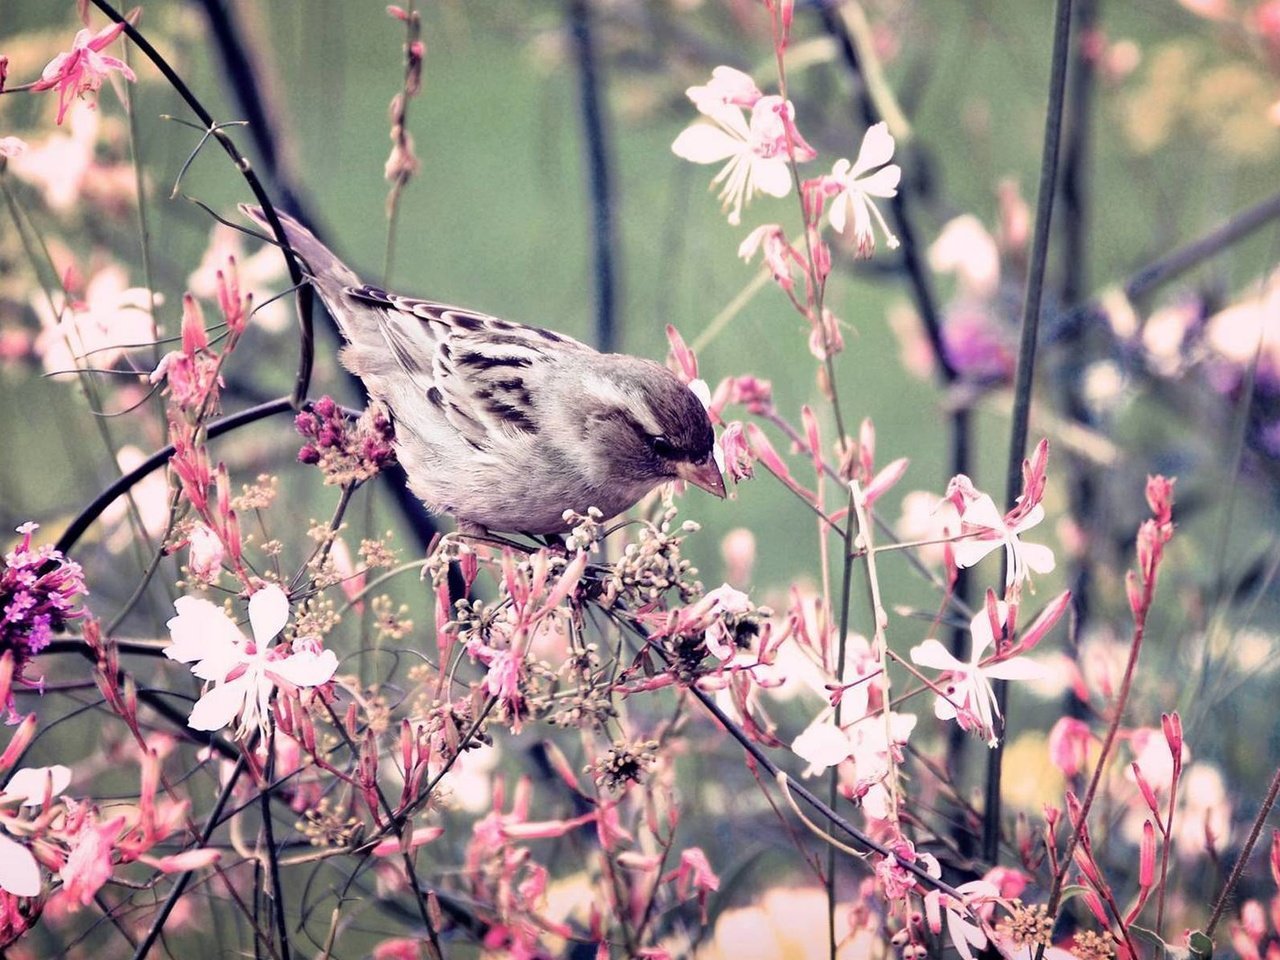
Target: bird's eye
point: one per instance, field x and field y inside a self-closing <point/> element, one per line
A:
<point x="662" y="447"/>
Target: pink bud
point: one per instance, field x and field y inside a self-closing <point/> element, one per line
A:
<point x="1045" y="622"/>
<point x="1160" y="498"/>
<point x="194" y="337"/>
<point x="1148" y="794"/>
<point x="1147" y="856"/>
<point x="885" y="480"/>
<point x="186" y="861"/>
<point x="1171" y="723"/>
<point x="22" y="738"/>
<point x="685" y="361"/>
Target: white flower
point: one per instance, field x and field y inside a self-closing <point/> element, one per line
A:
<point x="754" y="153"/>
<point x="993" y="533"/>
<point x="243" y="672"/>
<point x="969" y="699"/>
<point x="858" y="184"/>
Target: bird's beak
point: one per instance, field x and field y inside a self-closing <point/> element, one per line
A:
<point x="705" y="475"/>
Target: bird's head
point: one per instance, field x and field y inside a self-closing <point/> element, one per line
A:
<point x="650" y="427"/>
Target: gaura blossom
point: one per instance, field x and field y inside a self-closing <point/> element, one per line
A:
<point x="243" y="672"/>
<point x="967" y="249"/>
<point x="779" y="256"/>
<point x="89" y="862"/>
<point x="990" y="531"/>
<point x="96" y="330"/>
<point x="754" y="152"/>
<point x="82" y="69"/>
<point x="968" y="697"/>
<point x="19" y="872"/>
<point x="854" y="186"/>
<point x="963" y="932"/>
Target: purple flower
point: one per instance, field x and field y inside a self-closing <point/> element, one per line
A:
<point x="38" y="596"/>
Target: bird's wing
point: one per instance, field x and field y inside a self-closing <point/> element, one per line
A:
<point x="474" y="368"/>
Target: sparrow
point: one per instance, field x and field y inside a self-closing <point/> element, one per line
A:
<point x="504" y="426"/>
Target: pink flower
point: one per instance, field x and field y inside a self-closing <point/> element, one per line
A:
<point x="244" y="672"/>
<point x="965" y="248"/>
<point x="778" y="254"/>
<point x="89" y="864"/>
<point x="754" y="153"/>
<point x="97" y="330"/>
<point x="205" y="557"/>
<point x="738" y="458"/>
<point x="59" y="165"/>
<point x="82" y="69"/>
<point x="967" y="696"/>
<point x="11" y="147"/>
<point x="961" y="930"/>
<point x="1069" y="742"/>
<point x="854" y="186"/>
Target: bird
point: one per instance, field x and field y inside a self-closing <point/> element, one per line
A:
<point x="503" y="426"/>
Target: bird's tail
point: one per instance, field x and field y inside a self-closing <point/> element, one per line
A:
<point x="328" y="274"/>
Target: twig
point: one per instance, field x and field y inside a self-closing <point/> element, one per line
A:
<point x="1237" y="869"/>
<point x="180" y="886"/>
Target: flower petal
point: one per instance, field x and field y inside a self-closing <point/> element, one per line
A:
<point x="29" y="783"/>
<point x="876" y="149"/>
<point x="882" y="183"/>
<point x="219" y="706"/>
<point x="771" y="175"/>
<point x="305" y="669"/>
<point x="1016" y="668"/>
<point x="268" y="613"/>
<point x="19" y="873"/>
<point x="933" y="654"/>
<point x="1038" y="557"/>
<point x="199" y="630"/>
<point x="704" y="143"/>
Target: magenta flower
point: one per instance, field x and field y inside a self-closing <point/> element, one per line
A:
<point x="82" y="69"/>
<point x="38" y="590"/>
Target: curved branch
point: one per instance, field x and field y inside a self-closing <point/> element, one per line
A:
<point x="305" y="296"/>
<point x="75" y="530"/>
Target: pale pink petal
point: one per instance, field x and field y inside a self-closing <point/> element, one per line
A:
<point x="1017" y="668"/>
<point x="1038" y="557"/>
<point x="19" y="873"/>
<point x="969" y="552"/>
<point x="981" y="511"/>
<point x="772" y="176"/>
<point x="219" y="706"/>
<point x="882" y="183"/>
<point x="305" y="669"/>
<point x="268" y="613"/>
<point x="703" y="143"/>
<point x="822" y="745"/>
<point x="839" y="209"/>
<point x="28" y="784"/>
<point x="876" y="149"/>
<point x="200" y="630"/>
<point x="933" y="654"/>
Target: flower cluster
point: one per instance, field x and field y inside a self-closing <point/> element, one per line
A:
<point x="39" y="590"/>
<point x="346" y="453"/>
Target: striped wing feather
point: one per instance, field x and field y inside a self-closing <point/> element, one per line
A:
<point x="472" y="367"/>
